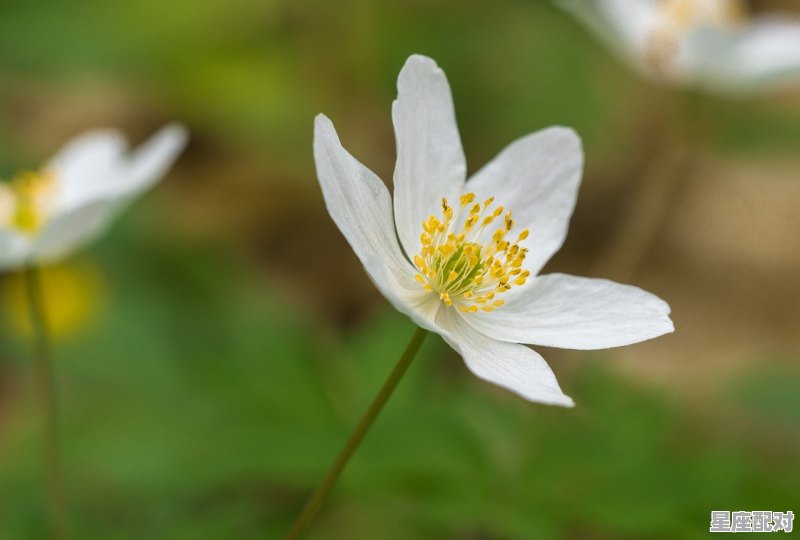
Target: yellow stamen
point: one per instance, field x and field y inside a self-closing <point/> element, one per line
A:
<point x="29" y="199"/>
<point x="465" y="265"/>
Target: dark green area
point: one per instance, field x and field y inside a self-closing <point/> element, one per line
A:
<point x="202" y="409"/>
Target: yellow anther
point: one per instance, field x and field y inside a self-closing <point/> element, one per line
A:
<point x="523" y="235"/>
<point x="466" y="265"/>
<point x="31" y="195"/>
<point x="467" y="198"/>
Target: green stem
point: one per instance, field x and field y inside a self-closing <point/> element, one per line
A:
<point x="656" y="195"/>
<point x="315" y="501"/>
<point x="47" y="394"/>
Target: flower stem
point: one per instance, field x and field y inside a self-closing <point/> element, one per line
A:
<point x="316" y="499"/>
<point x="657" y="193"/>
<point x="47" y="394"/>
<point x="638" y="228"/>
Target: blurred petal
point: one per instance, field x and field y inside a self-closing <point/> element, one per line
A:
<point x="73" y="229"/>
<point x="95" y="165"/>
<point x="510" y="365"/>
<point x="623" y="24"/>
<point x="88" y="165"/>
<point x="537" y="178"/>
<point x="361" y="207"/>
<point x="430" y="160"/>
<point x="15" y="250"/>
<point x="766" y="53"/>
<point x="557" y="310"/>
<point x="151" y="161"/>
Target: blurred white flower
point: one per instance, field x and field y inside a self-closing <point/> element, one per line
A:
<point x="46" y="215"/>
<point x="710" y="44"/>
<point x="463" y="270"/>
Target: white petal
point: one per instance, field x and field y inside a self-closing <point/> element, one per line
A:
<point x="15" y="250"/>
<point x="571" y="312"/>
<point x="623" y="24"/>
<point x="764" y="54"/>
<point x="87" y="165"/>
<point x="361" y="207"/>
<point x="95" y="165"/>
<point x="537" y="178"/>
<point x="73" y="229"/>
<point x="510" y="365"/>
<point x="430" y="159"/>
<point x="151" y="161"/>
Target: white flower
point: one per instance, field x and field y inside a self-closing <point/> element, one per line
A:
<point x="45" y="215"/>
<point x="711" y="44"/>
<point x="464" y="271"/>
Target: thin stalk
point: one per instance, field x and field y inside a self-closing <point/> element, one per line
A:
<point x="640" y="225"/>
<point x="45" y="381"/>
<point x="316" y="499"/>
<point x="656" y="195"/>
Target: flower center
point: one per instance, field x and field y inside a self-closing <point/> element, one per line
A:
<point x="27" y="200"/>
<point x="466" y="260"/>
<point x="676" y="18"/>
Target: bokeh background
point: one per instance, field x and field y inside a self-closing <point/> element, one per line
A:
<point x="215" y="349"/>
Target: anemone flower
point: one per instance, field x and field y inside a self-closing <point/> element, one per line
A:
<point x="47" y="214"/>
<point x="462" y="258"/>
<point x="714" y="45"/>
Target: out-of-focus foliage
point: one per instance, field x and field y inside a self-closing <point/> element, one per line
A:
<point x="238" y="341"/>
<point x="200" y="409"/>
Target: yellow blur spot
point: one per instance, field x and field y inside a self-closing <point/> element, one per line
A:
<point x="34" y="193"/>
<point x="74" y="294"/>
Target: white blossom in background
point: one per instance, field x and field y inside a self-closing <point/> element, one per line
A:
<point x="461" y="258"/>
<point x="714" y="45"/>
<point x="47" y="214"/>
